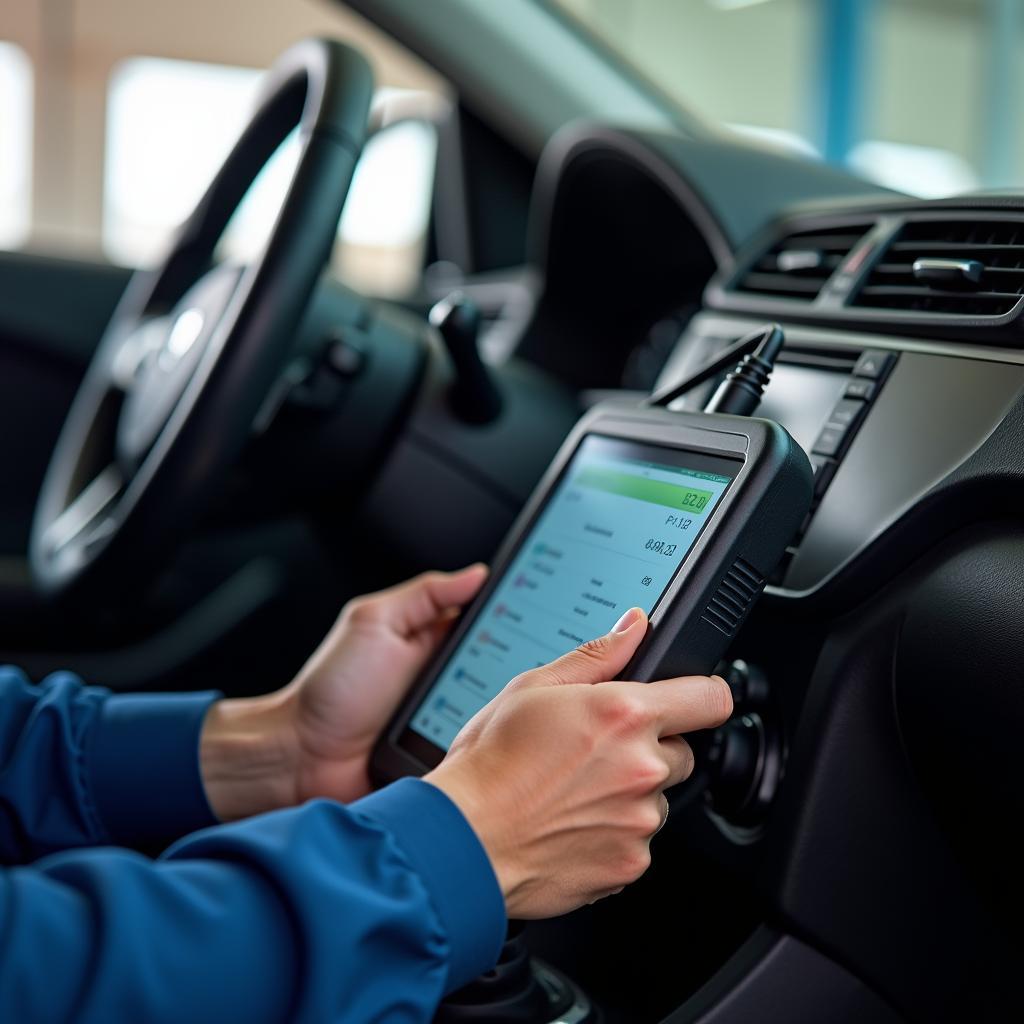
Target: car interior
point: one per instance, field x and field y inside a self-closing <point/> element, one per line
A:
<point x="208" y="447"/>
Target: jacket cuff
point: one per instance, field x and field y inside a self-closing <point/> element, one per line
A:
<point x="142" y="767"/>
<point x="447" y="855"/>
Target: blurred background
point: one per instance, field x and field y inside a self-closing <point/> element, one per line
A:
<point x="114" y="113"/>
<point x="919" y="95"/>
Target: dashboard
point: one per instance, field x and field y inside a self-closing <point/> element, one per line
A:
<point x="897" y="368"/>
<point x="885" y="654"/>
<point x="885" y="424"/>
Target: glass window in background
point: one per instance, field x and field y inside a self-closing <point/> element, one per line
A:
<point x="919" y="95"/>
<point x="15" y="145"/>
<point x="383" y="231"/>
<point x="731" y="62"/>
<point x="922" y="114"/>
<point x="171" y="123"/>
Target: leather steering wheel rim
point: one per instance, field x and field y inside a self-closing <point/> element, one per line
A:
<point x="189" y="355"/>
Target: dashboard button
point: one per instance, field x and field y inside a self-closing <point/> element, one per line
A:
<point x="863" y="389"/>
<point x="872" y="364"/>
<point x="830" y="440"/>
<point x="846" y="412"/>
<point x="824" y="470"/>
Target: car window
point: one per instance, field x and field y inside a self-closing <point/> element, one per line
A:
<point x="918" y="95"/>
<point x="15" y="144"/>
<point x="129" y="108"/>
<point x="169" y="126"/>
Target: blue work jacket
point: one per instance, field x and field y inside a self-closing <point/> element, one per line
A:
<point x="319" y="913"/>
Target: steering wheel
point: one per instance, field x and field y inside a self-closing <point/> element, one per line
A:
<point x="191" y="352"/>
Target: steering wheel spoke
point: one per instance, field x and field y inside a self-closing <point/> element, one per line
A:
<point x="89" y="518"/>
<point x="194" y="348"/>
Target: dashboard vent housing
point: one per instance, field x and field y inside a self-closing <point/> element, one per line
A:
<point x="909" y="275"/>
<point x="797" y="266"/>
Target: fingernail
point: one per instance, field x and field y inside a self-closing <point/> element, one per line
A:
<point x="628" y="620"/>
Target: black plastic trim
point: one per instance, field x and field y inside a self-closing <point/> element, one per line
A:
<point x="585" y="137"/>
<point x="777" y="979"/>
<point x="721" y="293"/>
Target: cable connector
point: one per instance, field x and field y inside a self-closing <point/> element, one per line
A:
<point x="740" y="393"/>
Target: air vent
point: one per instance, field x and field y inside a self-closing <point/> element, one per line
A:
<point x="734" y="596"/>
<point x="959" y="267"/>
<point x="798" y="266"/>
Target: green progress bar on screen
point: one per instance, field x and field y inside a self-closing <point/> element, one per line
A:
<point x="687" y="499"/>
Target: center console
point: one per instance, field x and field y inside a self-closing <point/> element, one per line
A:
<point x="884" y="420"/>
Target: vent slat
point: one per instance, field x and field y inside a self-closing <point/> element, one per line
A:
<point x="777" y="273"/>
<point x="997" y="245"/>
<point x="770" y="265"/>
<point x="940" y="248"/>
<point x="895" y="269"/>
<point x="895" y="291"/>
<point x="832" y="243"/>
<point x="798" y="284"/>
<point x="1004" y="272"/>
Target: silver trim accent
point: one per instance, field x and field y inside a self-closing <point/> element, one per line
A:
<point x="791" y="260"/>
<point x="581" y="1008"/>
<point x="719" y="325"/>
<point x="85" y="510"/>
<point x="710" y="325"/>
<point x="934" y="268"/>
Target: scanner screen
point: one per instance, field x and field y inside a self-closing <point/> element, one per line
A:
<point x="611" y="536"/>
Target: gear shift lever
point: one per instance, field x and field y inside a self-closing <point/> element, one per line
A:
<point x="520" y="990"/>
<point x="474" y="397"/>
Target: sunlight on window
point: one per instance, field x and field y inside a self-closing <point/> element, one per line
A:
<point x="249" y="228"/>
<point x="383" y="208"/>
<point x="15" y="145"/>
<point x="170" y="124"/>
<point x="384" y="227"/>
<point x="924" y="171"/>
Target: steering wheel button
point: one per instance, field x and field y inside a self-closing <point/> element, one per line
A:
<point x="345" y="358"/>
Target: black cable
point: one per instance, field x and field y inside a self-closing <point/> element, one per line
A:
<point x="753" y="358"/>
<point x="740" y="393"/>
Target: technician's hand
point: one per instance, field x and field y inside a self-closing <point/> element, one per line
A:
<point x="314" y="737"/>
<point x="563" y="780"/>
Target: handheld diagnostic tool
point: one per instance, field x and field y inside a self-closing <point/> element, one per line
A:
<point x="682" y="514"/>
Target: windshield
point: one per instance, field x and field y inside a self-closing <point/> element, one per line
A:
<point x="919" y="95"/>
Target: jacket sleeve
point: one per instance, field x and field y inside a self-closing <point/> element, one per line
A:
<point x="80" y="766"/>
<point x="319" y="913"/>
<point x="370" y="912"/>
